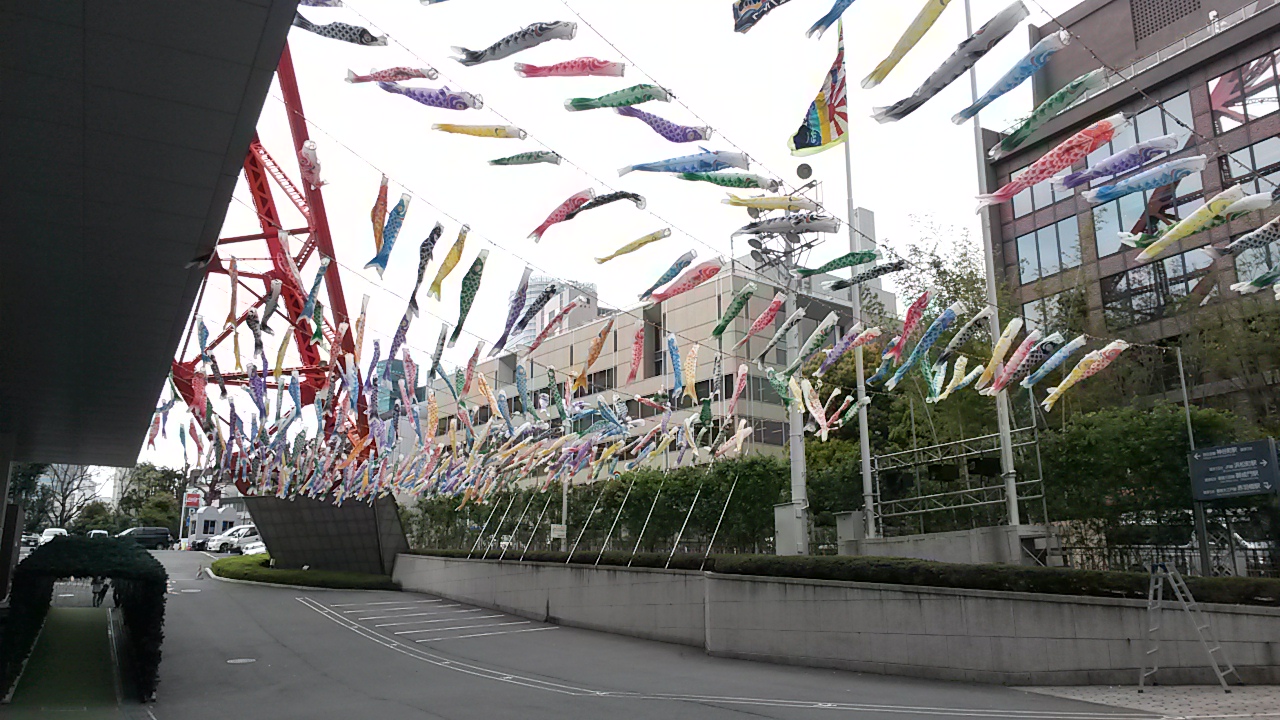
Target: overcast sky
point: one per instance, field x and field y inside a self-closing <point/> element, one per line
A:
<point x="753" y="89"/>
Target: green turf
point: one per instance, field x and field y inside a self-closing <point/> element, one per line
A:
<point x="257" y="568"/>
<point x="70" y="668"/>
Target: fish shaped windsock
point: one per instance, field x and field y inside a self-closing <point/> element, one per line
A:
<point x="1156" y="177"/>
<point x="1037" y="57"/>
<point x="690" y="373"/>
<point x="449" y="262"/>
<point x="470" y="372"/>
<point x="957" y="375"/>
<point x="1262" y="237"/>
<point x="867" y="275"/>
<point x="395" y="219"/>
<point x="856" y="337"/>
<point x="826" y="21"/>
<point x="1005" y="376"/>
<point x="1089" y="365"/>
<point x="780" y="334"/>
<point x="606" y="199"/>
<point x="966" y="331"/>
<point x="269" y="309"/>
<point x="1038" y="354"/>
<point x="965" y="56"/>
<point x="931" y="335"/>
<point x="860" y="257"/>
<point x="635" y="245"/>
<point x="1194" y="222"/>
<point x="531" y="36"/>
<point x="633" y="95"/>
<point x="1268" y="278"/>
<point x="425" y="252"/>
<point x="637" y="354"/>
<point x="739" y="384"/>
<point x="578" y="67"/>
<point x="816" y="340"/>
<point x="505" y="132"/>
<point x="915" y="311"/>
<point x="690" y="280"/>
<point x="706" y="161"/>
<point x="793" y="224"/>
<point x="924" y="20"/>
<point x="518" y="298"/>
<point x="787" y="203"/>
<point x="379" y="215"/>
<point x="733" y="180"/>
<point x="395" y="74"/>
<point x="999" y="350"/>
<point x="470" y="286"/>
<point x="764" y="319"/>
<point x="532" y="309"/>
<point x="529" y="158"/>
<point x="1118" y="163"/>
<point x="673" y="357"/>
<point x="667" y="129"/>
<point x="309" y="165"/>
<point x="555" y="321"/>
<point x="308" y="309"/>
<point x="593" y="354"/>
<point x="1067" y="153"/>
<point x="736" y="305"/>
<point x="562" y="212"/>
<point x="886" y="362"/>
<point x="443" y="98"/>
<point x="1047" y="110"/>
<point x="353" y="34"/>
<point x="522" y="387"/>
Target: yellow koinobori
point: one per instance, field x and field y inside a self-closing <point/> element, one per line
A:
<point x="925" y="19"/>
<point x="510" y="132"/>
<point x="1194" y="222"/>
<point x="635" y="245"/>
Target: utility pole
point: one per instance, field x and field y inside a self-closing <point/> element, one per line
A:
<point x="856" y="218"/>
<point x="795" y="419"/>
<point x="1007" y="471"/>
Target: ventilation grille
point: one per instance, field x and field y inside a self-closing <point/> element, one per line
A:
<point x="1152" y="16"/>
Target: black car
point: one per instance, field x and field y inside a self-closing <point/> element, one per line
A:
<point x="156" y="538"/>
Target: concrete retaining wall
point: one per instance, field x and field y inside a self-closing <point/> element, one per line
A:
<point x="975" y="635"/>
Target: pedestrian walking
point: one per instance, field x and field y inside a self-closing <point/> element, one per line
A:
<point x="100" y="587"/>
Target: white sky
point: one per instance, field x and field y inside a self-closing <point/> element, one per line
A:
<point x="753" y="89"/>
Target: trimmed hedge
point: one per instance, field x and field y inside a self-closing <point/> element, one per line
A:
<point x="256" y="568"/>
<point x="139" y="577"/>
<point x="906" y="571"/>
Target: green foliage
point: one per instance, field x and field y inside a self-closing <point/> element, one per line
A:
<point x="257" y="568"/>
<point x="146" y="482"/>
<point x="905" y="571"/>
<point x="135" y="573"/>
<point x="25" y="489"/>
<point x="97" y="515"/>
<point x="159" y="511"/>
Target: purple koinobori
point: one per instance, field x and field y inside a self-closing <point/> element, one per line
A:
<point x="433" y="97"/>
<point x="666" y="128"/>
<point x="1121" y="162"/>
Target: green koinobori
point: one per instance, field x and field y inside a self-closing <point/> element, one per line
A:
<point x="733" y="180"/>
<point x="847" y="260"/>
<point x="739" y="301"/>
<point x="633" y="95"/>
<point x="529" y="158"/>
<point x="1046" y="110"/>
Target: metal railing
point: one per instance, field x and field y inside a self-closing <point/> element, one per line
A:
<point x="1238" y="561"/>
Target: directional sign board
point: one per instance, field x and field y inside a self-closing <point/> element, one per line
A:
<point x="1234" y="470"/>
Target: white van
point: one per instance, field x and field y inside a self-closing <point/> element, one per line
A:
<point x="51" y="533"/>
<point x="231" y="540"/>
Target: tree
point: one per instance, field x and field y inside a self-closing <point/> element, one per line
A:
<point x="147" y="481"/>
<point x="26" y="490"/>
<point x="71" y="488"/>
<point x="159" y="511"/>
<point x="97" y="515"/>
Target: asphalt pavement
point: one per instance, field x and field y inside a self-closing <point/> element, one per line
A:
<point x="246" y="651"/>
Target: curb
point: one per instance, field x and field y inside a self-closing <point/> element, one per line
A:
<point x="209" y="572"/>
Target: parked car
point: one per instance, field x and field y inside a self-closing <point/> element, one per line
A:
<point x="257" y="547"/>
<point x="156" y="538"/>
<point x="51" y="533"/>
<point x="231" y="540"/>
<point x="30" y="540"/>
<point x="99" y="534"/>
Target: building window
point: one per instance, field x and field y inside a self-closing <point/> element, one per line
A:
<point x="227" y="525"/>
<point x="1253" y="262"/>
<point x="209" y="527"/>
<point x="1151" y="291"/>
<point x="1255" y="166"/>
<point x="1144" y="212"/>
<point x="1244" y="94"/>
<point x="1038" y="197"/>
<point x="1174" y="119"/>
<point x="1048" y="251"/>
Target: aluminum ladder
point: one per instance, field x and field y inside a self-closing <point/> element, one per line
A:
<point x="1160" y="574"/>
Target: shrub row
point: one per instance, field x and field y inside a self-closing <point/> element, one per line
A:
<point x="140" y="578"/>
<point x="906" y="571"/>
<point x="257" y="568"/>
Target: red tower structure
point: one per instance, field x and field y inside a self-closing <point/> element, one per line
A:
<point x="260" y="170"/>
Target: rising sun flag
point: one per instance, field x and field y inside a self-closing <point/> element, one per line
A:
<point x="827" y="122"/>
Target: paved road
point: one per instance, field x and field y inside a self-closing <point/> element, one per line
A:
<point x="320" y="654"/>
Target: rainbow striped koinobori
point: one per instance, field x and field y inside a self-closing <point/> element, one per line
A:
<point x="826" y="124"/>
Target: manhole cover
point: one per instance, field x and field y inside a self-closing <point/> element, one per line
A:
<point x="241" y="661"/>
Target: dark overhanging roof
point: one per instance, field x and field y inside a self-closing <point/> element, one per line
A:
<point x="123" y="128"/>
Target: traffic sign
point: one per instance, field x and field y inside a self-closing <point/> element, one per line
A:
<point x="1234" y="470"/>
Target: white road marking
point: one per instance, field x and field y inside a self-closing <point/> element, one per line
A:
<point x="416" y="622"/>
<point x="547" y="686"/>
<point x="471" y="627"/>
<point x="385" y="617"/>
<point x="500" y="632"/>
<point x="413" y="632"/>
<point x="395" y="609"/>
<point x="388" y="602"/>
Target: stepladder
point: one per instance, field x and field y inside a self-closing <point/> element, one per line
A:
<point x="1162" y="575"/>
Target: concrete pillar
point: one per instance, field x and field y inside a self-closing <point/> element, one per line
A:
<point x="10" y="519"/>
